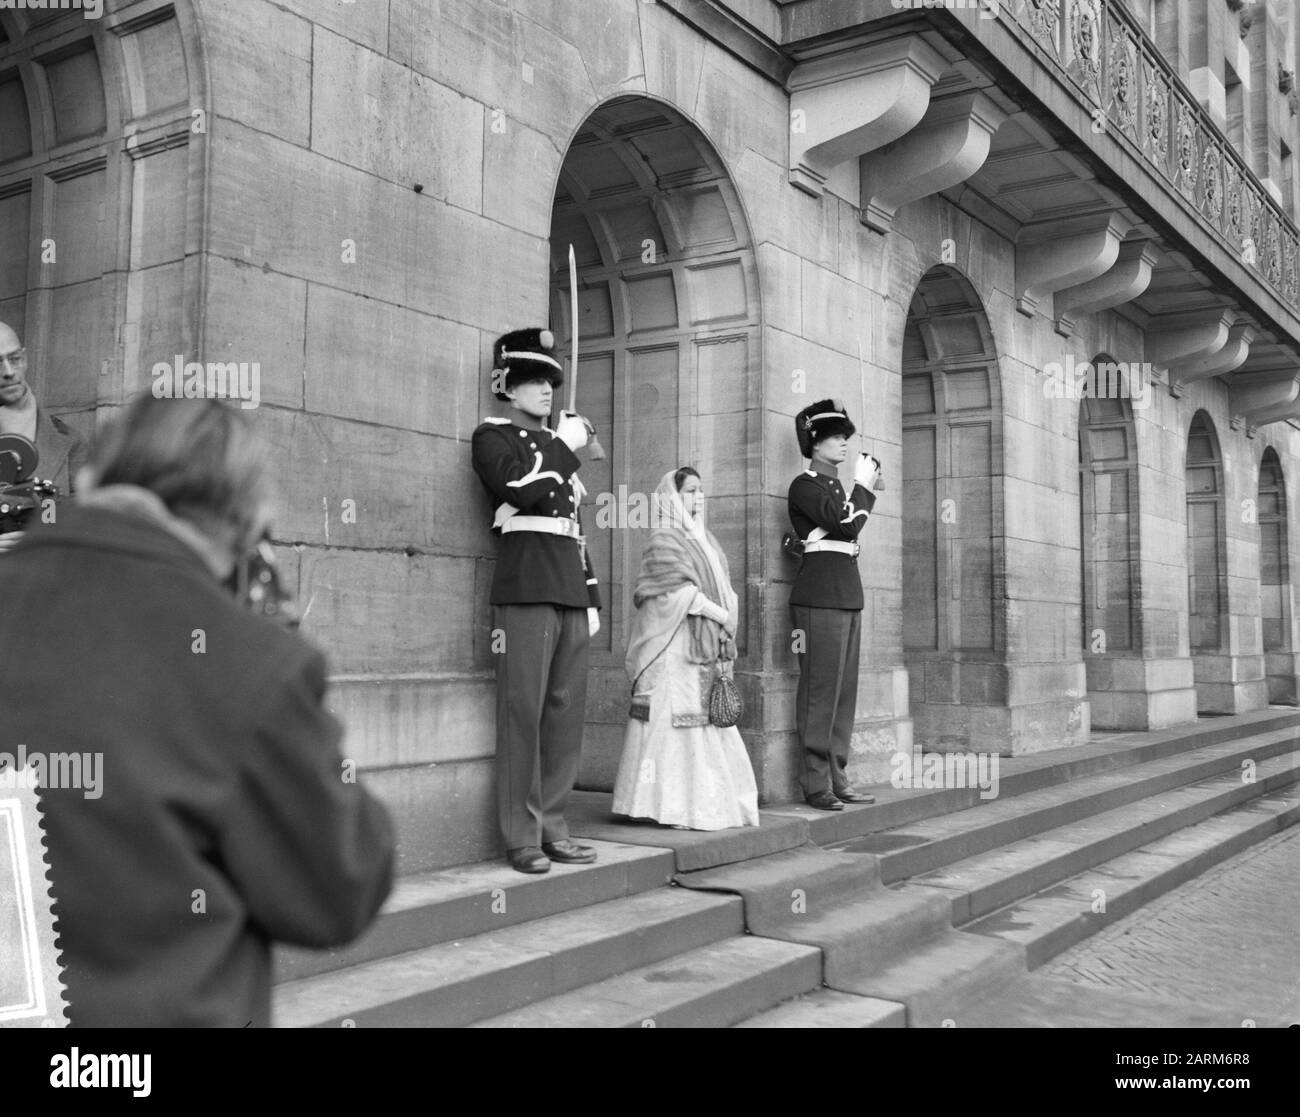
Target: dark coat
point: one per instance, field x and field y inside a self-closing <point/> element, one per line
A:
<point x="223" y="821"/>
<point x="828" y="579"/>
<point x="61" y="450"/>
<point x="533" y="471"/>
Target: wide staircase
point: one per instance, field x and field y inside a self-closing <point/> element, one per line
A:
<point x="913" y="911"/>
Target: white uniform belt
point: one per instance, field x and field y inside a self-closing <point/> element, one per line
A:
<point x="832" y="545"/>
<point x="544" y="524"/>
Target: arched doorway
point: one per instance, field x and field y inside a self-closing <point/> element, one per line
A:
<point x="1275" y="603"/>
<point x="668" y="363"/>
<point x="1207" y="595"/>
<point x="1109" y="553"/>
<point x="954" y="632"/>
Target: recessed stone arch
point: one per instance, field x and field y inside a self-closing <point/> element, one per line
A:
<point x="101" y="195"/>
<point x="1207" y="566"/>
<point x="669" y="318"/>
<point x="954" y="623"/>
<point x="1110" y="550"/>
<point x="1276" y="597"/>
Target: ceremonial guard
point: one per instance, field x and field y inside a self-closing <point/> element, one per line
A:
<point x="545" y="601"/>
<point x="826" y="601"/>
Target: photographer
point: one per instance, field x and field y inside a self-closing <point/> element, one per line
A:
<point x="226" y="818"/>
<point x="61" y="451"/>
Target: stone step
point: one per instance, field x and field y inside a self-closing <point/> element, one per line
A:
<point x="941" y="976"/>
<point x="833" y="901"/>
<point x="987" y="881"/>
<point x="456" y="983"/>
<point x="826" y="1008"/>
<point x="450" y="904"/>
<point x="1019" y="775"/>
<point x="773" y="887"/>
<point x="943" y="840"/>
<point x="712" y="987"/>
<point x="1056" y="919"/>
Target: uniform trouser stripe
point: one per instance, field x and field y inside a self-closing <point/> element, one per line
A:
<point x="828" y="693"/>
<point x="541" y="706"/>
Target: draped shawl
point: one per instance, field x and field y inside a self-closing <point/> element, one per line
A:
<point x="682" y="556"/>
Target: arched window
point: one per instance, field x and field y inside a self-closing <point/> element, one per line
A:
<point x="1275" y="603"/>
<point x="1206" y="560"/>
<point x="1108" y="490"/>
<point x="101" y="173"/>
<point x="954" y="632"/>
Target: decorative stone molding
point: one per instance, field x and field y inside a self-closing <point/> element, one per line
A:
<point x="1126" y="280"/>
<point x="1232" y="356"/>
<point x="848" y="104"/>
<point x="1052" y="255"/>
<point x="948" y="146"/>
<point x="1265" y="397"/>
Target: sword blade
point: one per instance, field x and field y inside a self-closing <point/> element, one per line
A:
<point x="573" y="331"/>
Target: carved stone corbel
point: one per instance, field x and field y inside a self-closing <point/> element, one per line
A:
<point x="948" y="146"/>
<point x="1265" y="397"/>
<point x="1179" y="339"/>
<point x="848" y="104"/>
<point x="1057" y="254"/>
<point x="1125" y="281"/>
<point x="1232" y="356"/>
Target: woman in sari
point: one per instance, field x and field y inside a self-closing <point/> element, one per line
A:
<point x="678" y="768"/>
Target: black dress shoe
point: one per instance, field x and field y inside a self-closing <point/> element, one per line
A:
<point x="853" y="795"/>
<point x="824" y="801"/>
<point x="529" y="859"/>
<point x="569" y="853"/>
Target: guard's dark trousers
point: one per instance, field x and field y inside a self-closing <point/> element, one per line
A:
<point x="828" y="693"/>
<point x="541" y="704"/>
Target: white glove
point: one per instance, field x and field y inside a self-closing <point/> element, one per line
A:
<point x="572" y="431"/>
<point x="593" y="620"/>
<point x="867" y="472"/>
<point x="8" y="542"/>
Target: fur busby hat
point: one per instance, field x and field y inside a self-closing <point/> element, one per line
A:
<point x="820" y="420"/>
<point x="525" y="355"/>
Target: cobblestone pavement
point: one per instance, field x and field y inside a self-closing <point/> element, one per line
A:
<point x="1230" y="937"/>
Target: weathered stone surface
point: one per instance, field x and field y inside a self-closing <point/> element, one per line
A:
<point x="259" y="61"/>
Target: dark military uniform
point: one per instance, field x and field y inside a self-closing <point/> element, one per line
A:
<point x="541" y="592"/>
<point x="826" y="607"/>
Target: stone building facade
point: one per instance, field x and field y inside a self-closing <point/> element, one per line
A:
<point x="1051" y="243"/>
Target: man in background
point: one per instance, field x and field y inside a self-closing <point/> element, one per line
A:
<point x="61" y="450"/>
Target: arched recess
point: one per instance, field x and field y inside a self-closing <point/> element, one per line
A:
<point x="954" y="629"/>
<point x="1276" y="606"/>
<point x="1207" y="565"/>
<point x="669" y="358"/>
<point x="1110" y="548"/>
<point x="102" y="154"/>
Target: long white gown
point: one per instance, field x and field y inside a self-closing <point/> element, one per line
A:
<point x="698" y="777"/>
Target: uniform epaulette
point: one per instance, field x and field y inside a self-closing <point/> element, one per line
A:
<point x="810" y="473"/>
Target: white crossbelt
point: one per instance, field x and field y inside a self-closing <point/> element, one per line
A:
<point x="546" y="525"/>
<point x="832" y="545"/>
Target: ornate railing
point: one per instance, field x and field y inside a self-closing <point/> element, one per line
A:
<point x="1125" y="81"/>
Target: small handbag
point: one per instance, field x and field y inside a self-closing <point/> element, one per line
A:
<point x="725" y="704"/>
